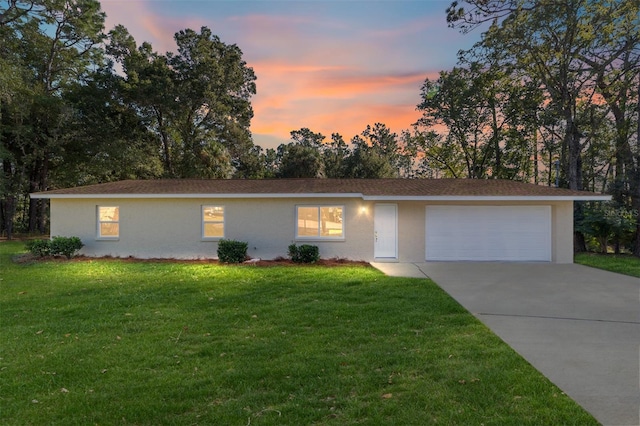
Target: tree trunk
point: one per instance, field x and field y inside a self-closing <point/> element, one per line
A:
<point x="33" y="212"/>
<point x="9" y="211"/>
<point x="604" y="244"/>
<point x="497" y="173"/>
<point x="636" y="244"/>
<point x="38" y="183"/>
<point x="635" y="197"/>
<point x="572" y="141"/>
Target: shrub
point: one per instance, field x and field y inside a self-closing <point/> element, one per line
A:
<point x="305" y="253"/>
<point x="605" y="222"/>
<point x="39" y="248"/>
<point x="66" y="246"/>
<point x="231" y="251"/>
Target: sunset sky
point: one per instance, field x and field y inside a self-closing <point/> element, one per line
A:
<point x="331" y="66"/>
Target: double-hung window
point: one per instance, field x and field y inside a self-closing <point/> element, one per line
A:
<point x="212" y="222"/>
<point x="319" y="222"/>
<point x="108" y="222"/>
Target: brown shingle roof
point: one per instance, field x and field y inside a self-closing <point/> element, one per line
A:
<point x="367" y="188"/>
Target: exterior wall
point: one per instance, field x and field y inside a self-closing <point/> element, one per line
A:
<point x="171" y="228"/>
<point x="411" y="227"/>
<point x="562" y="234"/>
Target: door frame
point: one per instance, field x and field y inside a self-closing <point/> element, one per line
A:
<point x="395" y="231"/>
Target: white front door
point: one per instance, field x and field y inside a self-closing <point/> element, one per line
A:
<point x="385" y="224"/>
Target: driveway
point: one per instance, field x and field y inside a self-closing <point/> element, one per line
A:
<point x="577" y="325"/>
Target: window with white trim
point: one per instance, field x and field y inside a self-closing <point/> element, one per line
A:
<point x="108" y="222"/>
<point x="320" y="222"/>
<point x="212" y="222"/>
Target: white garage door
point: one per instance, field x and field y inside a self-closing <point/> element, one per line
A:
<point x="488" y="233"/>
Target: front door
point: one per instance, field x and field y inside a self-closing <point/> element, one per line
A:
<point x="385" y="224"/>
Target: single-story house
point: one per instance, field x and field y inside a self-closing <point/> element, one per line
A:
<point x="395" y="220"/>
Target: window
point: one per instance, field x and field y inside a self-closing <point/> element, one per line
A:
<point x="319" y="222"/>
<point x="212" y="222"/>
<point x="108" y="222"/>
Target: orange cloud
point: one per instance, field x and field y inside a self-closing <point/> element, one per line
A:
<point x="330" y="99"/>
<point x="354" y="84"/>
<point x="325" y="74"/>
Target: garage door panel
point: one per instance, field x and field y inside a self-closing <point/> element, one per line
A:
<point x="488" y="233"/>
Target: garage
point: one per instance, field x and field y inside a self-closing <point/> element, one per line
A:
<point x="488" y="233"/>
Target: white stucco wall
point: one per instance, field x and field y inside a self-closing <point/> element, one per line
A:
<point x="411" y="227"/>
<point x="562" y="233"/>
<point x="171" y="228"/>
<point x="161" y="228"/>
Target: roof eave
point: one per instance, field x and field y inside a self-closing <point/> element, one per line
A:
<point x="488" y="198"/>
<point x="184" y="196"/>
<point x="595" y="197"/>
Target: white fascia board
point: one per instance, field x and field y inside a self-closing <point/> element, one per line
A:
<point x="183" y="196"/>
<point x="487" y="198"/>
<point x="332" y="195"/>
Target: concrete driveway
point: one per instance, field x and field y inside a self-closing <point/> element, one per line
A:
<point x="578" y="326"/>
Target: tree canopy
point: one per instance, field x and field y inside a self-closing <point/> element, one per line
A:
<point x="579" y="63"/>
<point x="68" y="118"/>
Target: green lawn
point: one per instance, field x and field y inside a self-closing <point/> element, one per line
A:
<point x="622" y="264"/>
<point x="144" y="343"/>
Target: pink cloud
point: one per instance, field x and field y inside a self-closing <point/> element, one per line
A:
<point x="318" y="73"/>
<point x="356" y="84"/>
<point x="332" y="99"/>
<point x="145" y="24"/>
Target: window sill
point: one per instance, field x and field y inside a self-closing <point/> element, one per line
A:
<point x="107" y="238"/>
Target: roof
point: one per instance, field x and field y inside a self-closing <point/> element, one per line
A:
<point x="367" y="189"/>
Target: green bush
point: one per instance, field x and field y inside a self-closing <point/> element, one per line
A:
<point x="305" y="253"/>
<point x="231" y="251"/>
<point x="39" y="248"/>
<point x="605" y="223"/>
<point x="66" y="246"/>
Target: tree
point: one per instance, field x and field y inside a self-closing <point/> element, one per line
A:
<point x="299" y="161"/>
<point x="366" y="162"/>
<point x="335" y="156"/>
<point x="615" y="59"/>
<point x="450" y="102"/>
<point x="434" y="155"/>
<point x="605" y="222"/>
<point x="305" y="137"/>
<point x="196" y="101"/>
<point x="215" y="88"/>
<point x="485" y="115"/>
<point x="580" y="52"/>
<point x="50" y="44"/>
<point x="301" y="158"/>
<point x="66" y="117"/>
<point x="13" y="91"/>
<point x="550" y="41"/>
<point x="107" y="140"/>
<point x="375" y="154"/>
<point x="16" y="10"/>
<point x="252" y="164"/>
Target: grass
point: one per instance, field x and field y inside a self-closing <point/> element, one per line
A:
<point x="114" y="342"/>
<point x="622" y="264"/>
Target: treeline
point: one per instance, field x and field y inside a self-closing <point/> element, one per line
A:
<point x="550" y="95"/>
<point x="78" y="106"/>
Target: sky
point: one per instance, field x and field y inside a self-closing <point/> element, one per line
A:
<point x="330" y="66"/>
